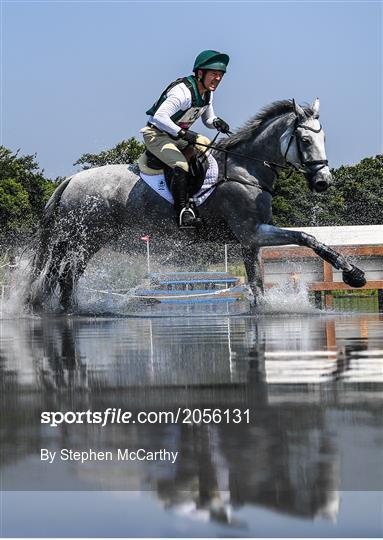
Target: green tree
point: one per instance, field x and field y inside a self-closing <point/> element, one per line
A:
<point x="354" y="198"/>
<point x="361" y="190"/>
<point x="23" y="194"/>
<point x="124" y="152"/>
<point x="292" y="201"/>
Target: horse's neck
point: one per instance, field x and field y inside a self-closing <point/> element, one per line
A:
<point x="264" y="146"/>
<point x="269" y="140"/>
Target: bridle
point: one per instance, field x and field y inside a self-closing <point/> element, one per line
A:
<point x="310" y="168"/>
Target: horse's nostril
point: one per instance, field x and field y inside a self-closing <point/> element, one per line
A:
<point x="320" y="186"/>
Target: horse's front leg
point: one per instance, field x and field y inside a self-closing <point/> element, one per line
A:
<point x="268" y="235"/>
<point x="253" y="271"/>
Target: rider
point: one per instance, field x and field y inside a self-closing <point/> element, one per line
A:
<point x="178" y="107"/>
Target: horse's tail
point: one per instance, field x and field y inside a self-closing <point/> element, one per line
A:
<point x="44" y="262"/>
<point x="47" y="222"/>
<point x="53" y="201"/>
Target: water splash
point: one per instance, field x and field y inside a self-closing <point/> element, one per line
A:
<point x="291" y="296"/>
<point x="14" y="284"/>
<point x="111" y="280"/>
<point x="315" y="215"/>
<point x="109" y="283"/>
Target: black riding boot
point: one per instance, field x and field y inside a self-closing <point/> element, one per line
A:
<point x="185" y="215"/>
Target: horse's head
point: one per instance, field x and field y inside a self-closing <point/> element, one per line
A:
<point x="302" y="145"/>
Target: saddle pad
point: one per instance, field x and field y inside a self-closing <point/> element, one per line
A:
<point x="157" y="182"/>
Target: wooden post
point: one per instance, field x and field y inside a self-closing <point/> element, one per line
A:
<point x="363" y="328"/>
<point x="328" y="299"/>
<point x="328" y="276"/>
<point x="330" y="335"/>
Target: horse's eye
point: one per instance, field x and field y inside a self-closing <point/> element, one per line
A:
<point x="305" y="140"/>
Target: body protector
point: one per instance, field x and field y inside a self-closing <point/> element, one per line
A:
<point x="184" y="119"/>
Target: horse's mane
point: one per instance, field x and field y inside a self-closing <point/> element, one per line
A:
<point x="253" y="126"/>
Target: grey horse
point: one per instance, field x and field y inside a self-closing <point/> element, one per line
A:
<point x="96" y="207"/>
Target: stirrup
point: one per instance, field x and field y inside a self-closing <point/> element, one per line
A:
<point x="187" y="218"/>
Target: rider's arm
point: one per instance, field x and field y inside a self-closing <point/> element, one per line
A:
<point x="209" y="115"/>
<point x="178" y="99"/>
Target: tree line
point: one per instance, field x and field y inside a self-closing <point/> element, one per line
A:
<point x="354" y="198"/>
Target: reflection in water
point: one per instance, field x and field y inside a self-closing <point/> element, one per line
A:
<point x="312" y="385"/>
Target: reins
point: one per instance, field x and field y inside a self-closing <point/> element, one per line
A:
<point x="265" y="162"/>
<point x="228" y="178"/>
<point x="270" y="164"/>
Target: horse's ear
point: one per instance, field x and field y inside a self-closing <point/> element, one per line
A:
<point x="298" y="110"/>
<point x="315" y="106"/>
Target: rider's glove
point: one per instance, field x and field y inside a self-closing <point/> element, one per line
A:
<point x="220" y="125"/>
<point x="188" y="135"/>
<point x="195" y="138"/>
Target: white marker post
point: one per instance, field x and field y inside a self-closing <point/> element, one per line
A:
<point x="146" y="238"/>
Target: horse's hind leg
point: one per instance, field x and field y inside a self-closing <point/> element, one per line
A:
<point x="66" y="286"/>
<point x="42" y="289"/>
<point x="53" y="270"/>
<point x="268" y="235"/>
<point x="76" y="262"/>
<point x="253" y="270"/>
<point x="69" y="276"/>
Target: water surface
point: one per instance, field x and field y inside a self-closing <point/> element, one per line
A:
<point x="308" y="462"/>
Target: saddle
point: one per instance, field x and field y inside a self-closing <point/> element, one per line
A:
<point x="198" y="166"/>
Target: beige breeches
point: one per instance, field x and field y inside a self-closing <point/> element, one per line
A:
<point x="165" y="148"/>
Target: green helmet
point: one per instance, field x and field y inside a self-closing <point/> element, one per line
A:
<point x="211" y="60"/>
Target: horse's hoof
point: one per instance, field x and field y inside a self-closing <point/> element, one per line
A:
<point x="354" y="277"/>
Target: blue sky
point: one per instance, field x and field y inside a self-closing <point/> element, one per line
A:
<point x="78" y="76"/>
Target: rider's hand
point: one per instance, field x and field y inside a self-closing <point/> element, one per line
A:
<point x="195" y="138"/>
<point x="220" y="125"/>
<point x="188" y="135"/>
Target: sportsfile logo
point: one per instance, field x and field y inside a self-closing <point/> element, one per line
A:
<point x="108" y="416"/>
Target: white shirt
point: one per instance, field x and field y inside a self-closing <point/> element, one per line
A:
<point x="179" y="98"/>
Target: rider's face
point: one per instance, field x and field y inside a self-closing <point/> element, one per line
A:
<point x="212" y="78"/>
